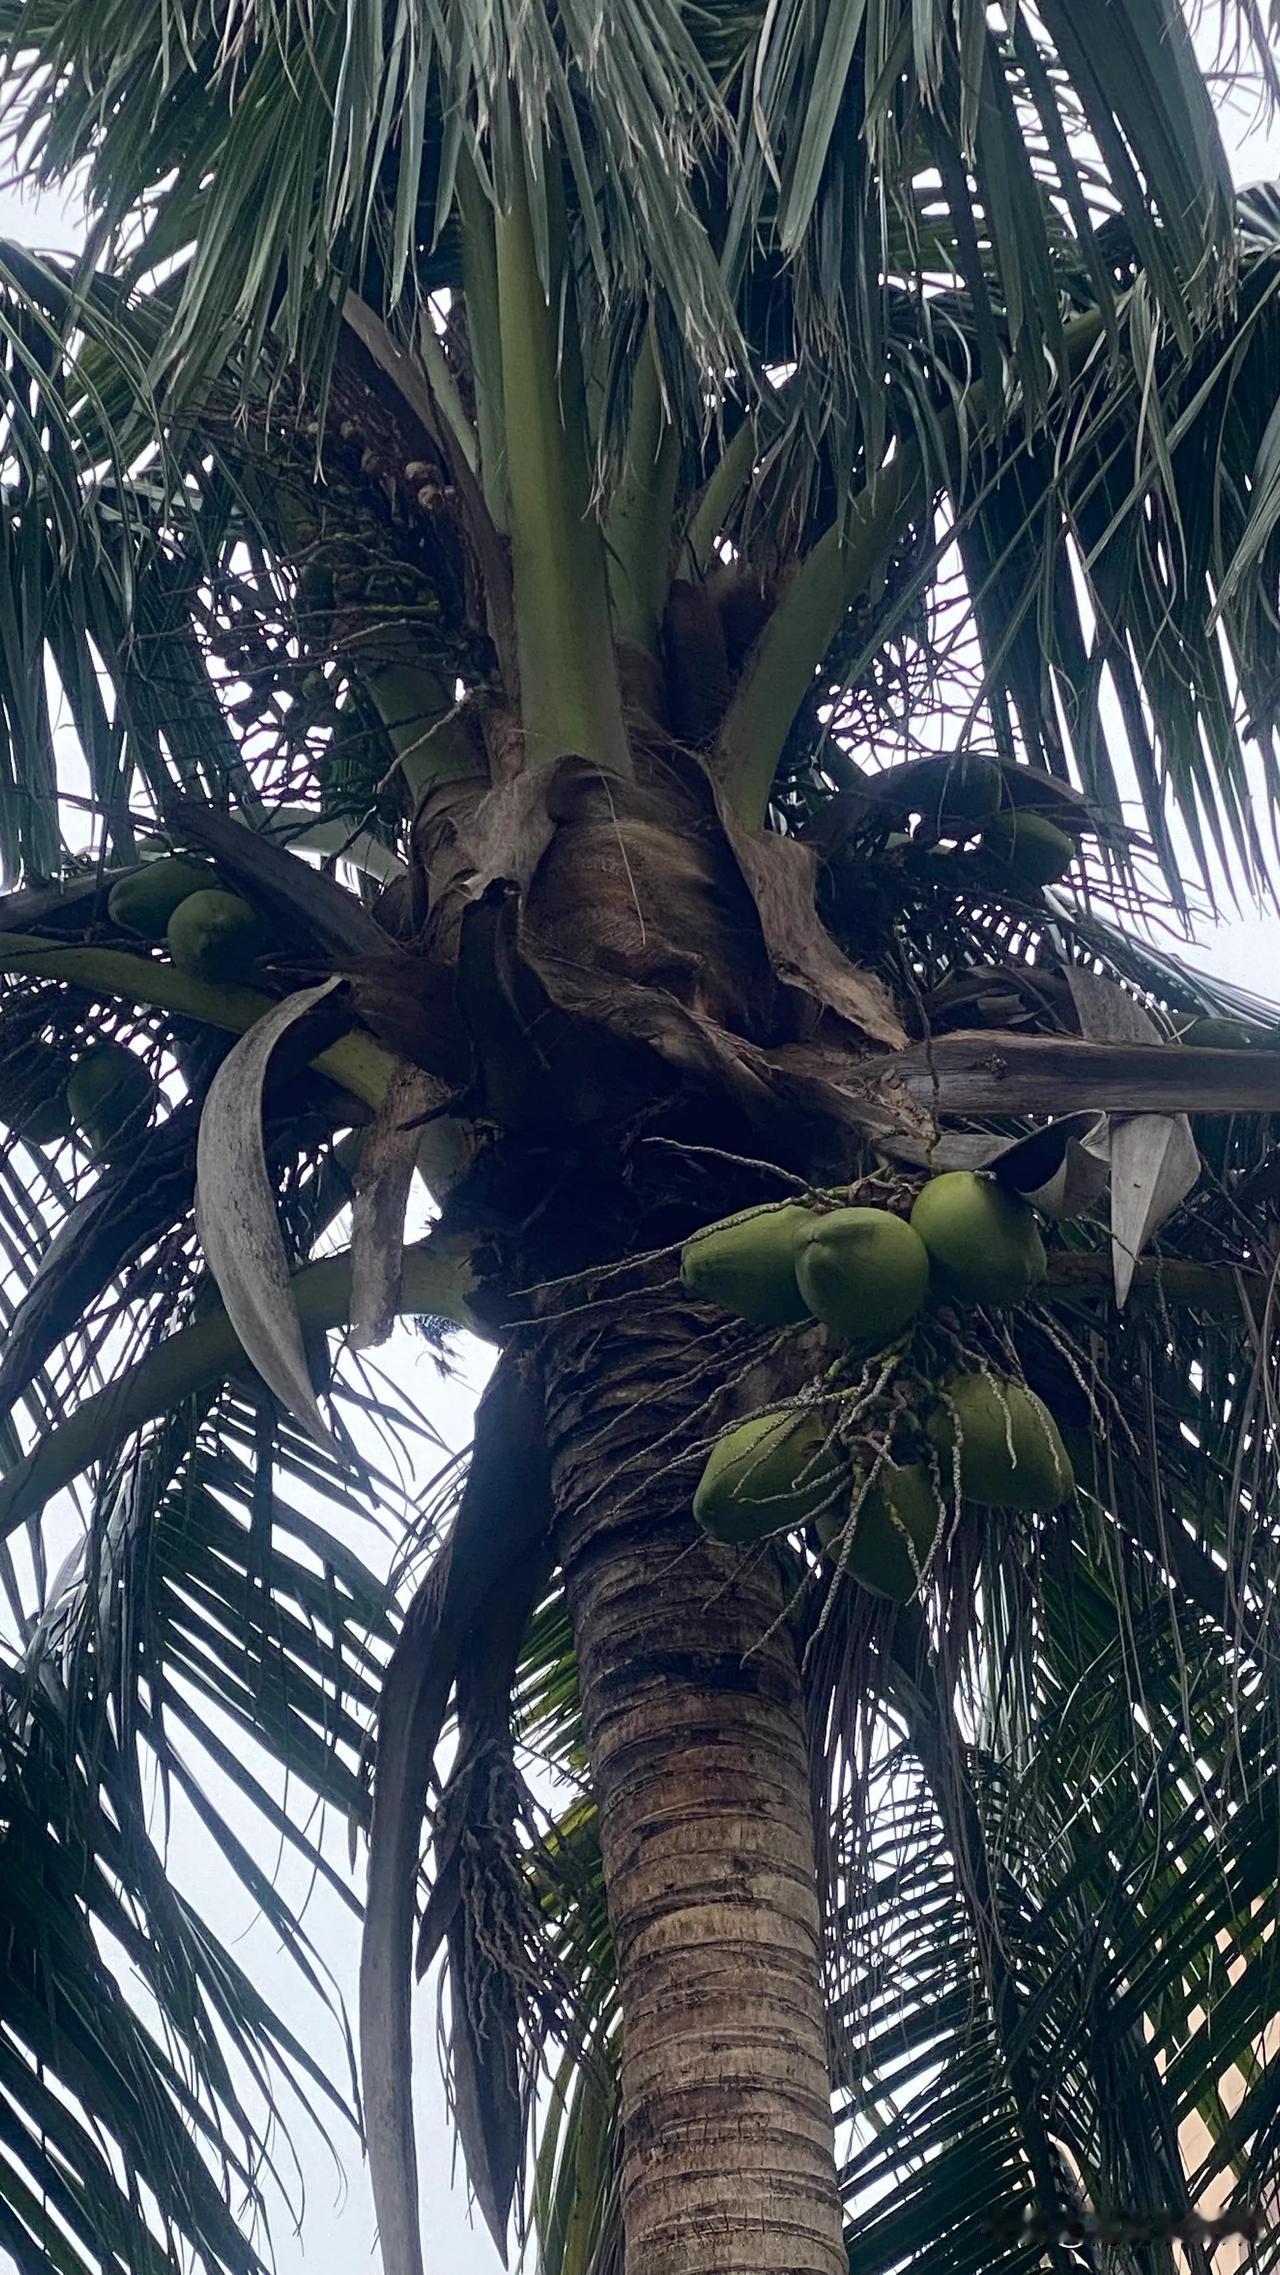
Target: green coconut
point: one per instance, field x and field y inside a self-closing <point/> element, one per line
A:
<point x="747" y="1263"/>
<point x="1011" y="1449"/>
<point x="216" y="936"/>
<point x="957" y="794"/>
<point x="764" y="1476"/>
<point x="863" y="1272"/>
<point x="984" y="1243"/>
<point x="145" y="900"/>
<point x="109" y="1098"/>
<point x="1034" y="850"/>
<point x="902" y="1508"/>
<point x="33" y="1093"/>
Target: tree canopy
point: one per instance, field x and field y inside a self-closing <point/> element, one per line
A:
<point x="445" y="397"/>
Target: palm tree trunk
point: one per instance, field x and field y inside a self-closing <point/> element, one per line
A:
<point x="695" y="1730"/>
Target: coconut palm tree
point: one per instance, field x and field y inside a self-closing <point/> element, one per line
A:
<point x="646" y="555"/>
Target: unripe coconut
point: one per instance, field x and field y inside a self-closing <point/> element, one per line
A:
<point x="109" y="1098"/>
<point x="863" y="1272"/>
<point x="1011" y="1449"/>
<point x="984" y="1243"/>
<point x="1034" y="850"/>
<point x="144" y="901"/>
<point x="765" y="1475"/>
<point x="215" y="936"/>
<point x="902" y="1507"/>
<point x="957" y="794"/>
<point x="33" y="1094"/>
<point x="747" y="1263"/>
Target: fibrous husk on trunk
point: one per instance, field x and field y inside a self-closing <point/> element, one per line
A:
<point x="594" y="913"/>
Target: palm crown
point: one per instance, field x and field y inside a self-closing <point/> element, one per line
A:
<point x="543" y="461"/>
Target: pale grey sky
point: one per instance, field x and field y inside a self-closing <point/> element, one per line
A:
<point x="338" y="2236"/>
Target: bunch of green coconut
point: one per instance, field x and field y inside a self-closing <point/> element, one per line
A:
<point x="965" y="797"/>
<point x="879" y="1501"/>
<point x="105" y="1095"/>
<point x="210" y="933"/>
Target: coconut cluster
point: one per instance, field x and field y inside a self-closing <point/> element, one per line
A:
<point x="210" y="934"/>
<point x="965" y="798"/>
<point x="105" y="1096"/>
<point x="870" y="1276"/>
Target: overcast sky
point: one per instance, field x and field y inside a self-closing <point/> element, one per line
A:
<point x="338" y="2234"/>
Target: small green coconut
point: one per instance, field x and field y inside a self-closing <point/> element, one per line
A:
<point x="144" y="901"/>
<point x="863" y="1272"/>
<point x="33" y="1093"/>
<point x="764" y="1476"/>
<point x="747" y="1263"/>
<point x="216" y="936"/>
<point x="1034" y="851"/>
<point x="109" y="1098"/>
<point x="902" y="1507"/>
<point x="1011" y="1449"/>
<point x="984" y="1243"/>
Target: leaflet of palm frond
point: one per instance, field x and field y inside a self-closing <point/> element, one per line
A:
<point x="485" y="1690"/>
<point x="1059" y="1920"/>
<point x="1205" y="1837"/>
<point x="1020" y="583"/>
<point x="135" y="1205"/>
<point x="73" y="1868"/>
<point x="1061" y="1169"/>
<point x="1153" y="1158"/>
<point x="165" y="690"/>
<point x="548" y="1702"/>
<point x="577" y="2208"/>
<point x="504" y="1982"/>
<point x="936" y="1740"/>
<point x="1197" y="441"/>
<point x="129" y="1207"/>
<point x="250" y="1626"/>
<point x="502" y="1514"/>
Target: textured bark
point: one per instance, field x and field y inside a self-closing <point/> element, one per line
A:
<point x="696" y="1736"/>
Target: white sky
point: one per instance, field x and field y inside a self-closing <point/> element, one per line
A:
<point x="338" y="2237"/>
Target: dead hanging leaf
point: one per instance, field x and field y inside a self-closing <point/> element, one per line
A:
<point x="504" y="1512"/>
<point x="1080" y="1179"/>
<point x="780" y="875"/>
<point x="487" y="2101"/>
<point x="1107" y="1012"/>
<point x="1155" y="1161"/>
<point x="236" y="1219"/>
<point x="1061" y="1169"/>
<point x="382" y="1195"/>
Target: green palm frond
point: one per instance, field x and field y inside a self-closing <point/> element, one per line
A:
<point x="713" y="162"/>
<point x="181" y="1636"/>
